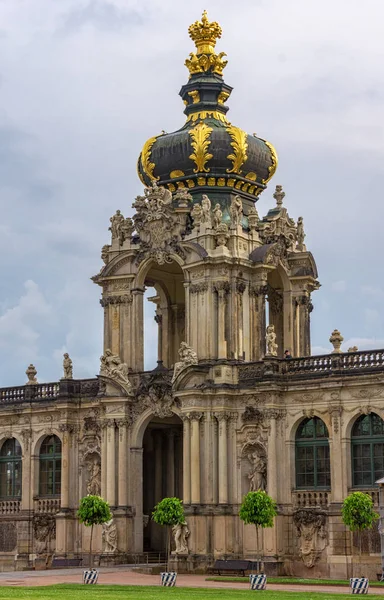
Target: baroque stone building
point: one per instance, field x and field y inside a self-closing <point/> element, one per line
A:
<point x="223" y="413"/>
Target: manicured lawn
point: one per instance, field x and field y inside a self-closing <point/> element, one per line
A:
<point x="119" y="592"/>
<point x="296" y="580"/>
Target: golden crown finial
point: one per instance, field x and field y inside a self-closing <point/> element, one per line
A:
<point x="205" y="34"/>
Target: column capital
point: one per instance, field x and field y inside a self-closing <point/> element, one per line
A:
<point x="258" y="289"/>
<point x="222" y="416"/>
<point x="196" y="416"/>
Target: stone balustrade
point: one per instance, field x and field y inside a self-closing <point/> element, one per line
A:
<point x="310" y="498"/>
<point x="10" y="507"/>
<point x="47" y="505"/>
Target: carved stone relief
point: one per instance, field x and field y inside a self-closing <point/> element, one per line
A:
<point x="44" y="528"/>
<point x="311" y="530"/>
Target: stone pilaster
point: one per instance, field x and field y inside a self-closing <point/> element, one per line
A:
<point x="222" y="418"/>
<point x="111" y="463"/>
<point x="195" y="457"/>
<point x="186" y="459"/>
<point x="122" y="489"/>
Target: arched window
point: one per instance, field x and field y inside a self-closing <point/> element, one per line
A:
<point x="367" y="450"/>
<point x="50" y="467"/>
<point x="313" y="468"/>
<point x="10" y="469"/>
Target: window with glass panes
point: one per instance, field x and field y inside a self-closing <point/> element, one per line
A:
<point x="367" y="450"/>
<point x="10" y="469"/>
<point x="313" y="468"/>
<point x="50" y="467"/>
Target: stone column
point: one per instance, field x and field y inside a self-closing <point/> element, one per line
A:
<point x="159" y="319"/>
<point x="158" y="451"/>
<point x="171" y="464"/>
<point x="195" y="457"/>
<point x="122" y="499"/>
<point x="115" y="333"/>
<point x="258" y="293"/>
<point x="240" y="288"/>
<point x="27" y="475"/>
<point x="111" y="463"/>
<point x="222" y="418"/>
<point x="272" y="456"/>
<point x="186" y="459"/>
<point x="66" y="430"/>
<point x="222" y="289"/>
<point x="137" y="338"/>
<point x="136" y="495"/>
<point x="187" y="314"/>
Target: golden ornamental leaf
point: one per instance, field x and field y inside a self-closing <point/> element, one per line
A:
<point x="200" y="144"/>
<point x="240" y="147"/>
<point x="148" y="166"/>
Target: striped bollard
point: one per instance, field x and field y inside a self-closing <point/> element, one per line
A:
<point x="90" y="576"/>
<point x="258" y="582"/>
<point x="359" y="585"/>
<point x="168" y="579"/>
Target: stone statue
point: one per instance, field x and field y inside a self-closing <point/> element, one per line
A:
<point x="310" y="524"/>
<point x="206" y="210"/>
<point x="112" y="367"/>
<point x="353" y="349"/>
<point x="197" y="214"/>
<point x="31" y="374"/>
<point x="257" y="476"/>
<point x="217" y="215"/>
<point x="126" y="229"/>
<point x="222" y="234"/>
<point x="253" y="218"/>
<point x="270" y="339"/>
<point x="116" y="222"/>
<point x="279" y="196"/>
<point x="300" y="235"/>
<point x="181" y="534"/>
<point x="67" y="366"/>
<point x="44" y="528"/>
<point x="94" y="481"/>
<point x="236" y="211"/>
<point x="104" y="253"/>
<point x="187" y="357"/>
<point x="109" y="536"/>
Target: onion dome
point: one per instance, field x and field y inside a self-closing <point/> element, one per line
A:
<point x="208" y="154"/>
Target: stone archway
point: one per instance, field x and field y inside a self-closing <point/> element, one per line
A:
<point x="162" y="472"/>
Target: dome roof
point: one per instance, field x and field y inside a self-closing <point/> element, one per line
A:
<point x="208" y="151"/>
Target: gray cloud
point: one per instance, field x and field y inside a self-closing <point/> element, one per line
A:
<point x="84" y="84"/>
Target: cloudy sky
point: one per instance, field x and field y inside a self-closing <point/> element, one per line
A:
<point x="83" y="83"/>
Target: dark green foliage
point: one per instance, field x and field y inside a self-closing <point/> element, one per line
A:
<point x="93" y="510"/>
<point x="258" y="509"/>
<point x="357" y="512"/>
<point x="169" y="512"/>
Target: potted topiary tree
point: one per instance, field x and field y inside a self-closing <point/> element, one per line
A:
<point x="258" y="509"/>
<point x="93" y="510"/>
<point x="358" y="515"/>
<point x="168" y="512"/>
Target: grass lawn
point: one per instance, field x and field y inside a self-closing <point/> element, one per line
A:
<point x="119" y="592"/>
<point x="297" y="580"/>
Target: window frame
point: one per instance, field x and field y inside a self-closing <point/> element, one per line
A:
<point x="315" y="443"/>
<point x="12" y="460"/>
<point x="370" y="441"/>
<point x="55" y="458"/>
